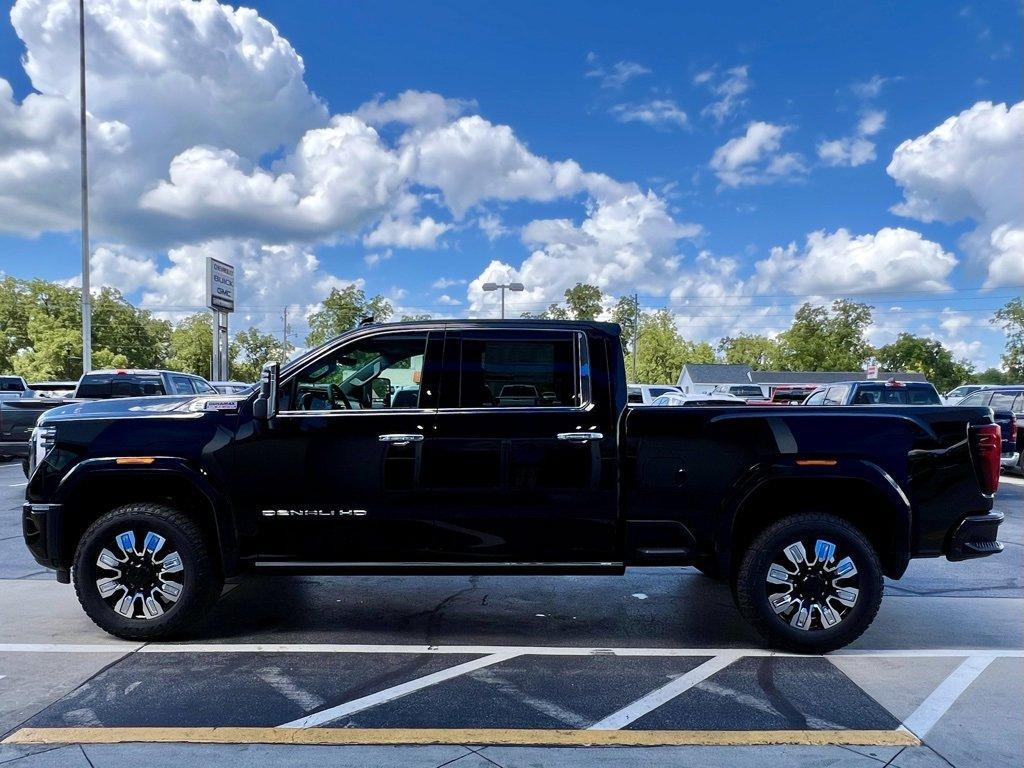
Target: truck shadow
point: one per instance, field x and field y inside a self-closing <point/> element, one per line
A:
<point x="646" y="608"/>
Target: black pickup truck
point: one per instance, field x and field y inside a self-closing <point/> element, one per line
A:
<point x="17" y="418"/>
<point x="397" y="449"/>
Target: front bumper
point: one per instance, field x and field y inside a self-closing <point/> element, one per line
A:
<point x="41" y="525"/>
<point x="1009" y="459"/>
<point x="975" y="536"/>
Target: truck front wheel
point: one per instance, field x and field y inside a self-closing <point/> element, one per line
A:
<point x="145" y="572"/>
<point x="809" y="583"/>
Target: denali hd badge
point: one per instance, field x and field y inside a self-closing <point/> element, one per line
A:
<point x="314" y="513"/>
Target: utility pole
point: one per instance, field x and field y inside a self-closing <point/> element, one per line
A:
<point x="284" y="332"/>
<point x="86" y="296"/>
<point x="636" y="331"/>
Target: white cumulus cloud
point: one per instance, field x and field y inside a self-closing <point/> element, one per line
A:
<point x="756" y="157"/>
<point x="970" y="167"/>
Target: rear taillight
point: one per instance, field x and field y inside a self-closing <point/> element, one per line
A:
<point x="985" y="449"/>
<point x="1013" y="432"/>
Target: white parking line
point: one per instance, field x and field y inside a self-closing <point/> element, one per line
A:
<point x="484" y="650"/>
<point x="654" y="699"/>
<point x="942" y="698"/>
<point x="395" y="692"/>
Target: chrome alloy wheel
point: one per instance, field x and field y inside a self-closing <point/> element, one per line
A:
<point x="139" y="584"/>
<point x="812" y="593"/>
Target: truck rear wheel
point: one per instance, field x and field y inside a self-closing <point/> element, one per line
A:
<point x="144" y="572"/>
<point x="809" y="583"/>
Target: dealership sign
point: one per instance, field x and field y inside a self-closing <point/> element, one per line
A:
<point x="220" y="285"/>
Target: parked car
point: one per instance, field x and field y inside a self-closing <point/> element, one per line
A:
<point x="134" y="382"/>
<point x="1007" y="402"/>
<point x="889" y="392"/>
<point x="13" y="387"/>
<point x="17" y="418"/>
<point x="744" y="391"/>
<point x="645" y="394"/>
<point x="232" y="387"/>
<point x="152" y="503"/>
<point x="955" y="395"/>
<point x="58" y="389"/>
<point x="713" y="398"/>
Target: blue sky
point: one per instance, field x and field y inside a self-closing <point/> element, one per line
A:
<point x="824" y="94"/>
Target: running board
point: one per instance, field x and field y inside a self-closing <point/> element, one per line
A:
<point x="440" y="569"/>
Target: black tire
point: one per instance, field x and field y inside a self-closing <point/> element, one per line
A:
<point x="751" y="588"/>
<point x="201" y="580"/>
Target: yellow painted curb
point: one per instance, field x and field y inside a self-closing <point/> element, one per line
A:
<point x="503" y="736"/>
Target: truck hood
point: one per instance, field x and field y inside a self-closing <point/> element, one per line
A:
<point x="140" y="407"/>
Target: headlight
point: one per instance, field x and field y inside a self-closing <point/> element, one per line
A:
<point x="42" y="442"/>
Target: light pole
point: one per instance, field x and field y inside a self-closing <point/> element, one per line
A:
<point x="86" y="298"/>
<point x="503" y="287"/>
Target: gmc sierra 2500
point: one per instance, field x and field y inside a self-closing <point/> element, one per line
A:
<point x="397" y="449"/>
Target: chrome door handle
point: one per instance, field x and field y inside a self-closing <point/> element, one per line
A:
<point x="580" y="437"/>
<point x="400" y="439"/>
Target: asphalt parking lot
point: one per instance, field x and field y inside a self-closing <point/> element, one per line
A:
<point x="652" y="668"/>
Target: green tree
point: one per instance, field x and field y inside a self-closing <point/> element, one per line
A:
<point x="1011" y="319"/>
<point x="127" y="333"/>
<point x="625" y="312"/>
<point x="822" y="339"/>
<point x="250" y="350"/>
<point x="14" y="314"/>
<point x="342" y="311"/>
<point x="583" y="301"/>
<point x="192" y="345"/>
<point x="759" y="352"/>
<point x="662" y="351"/>
<point x="927" y="356"/>
<point x="991" y="376"/>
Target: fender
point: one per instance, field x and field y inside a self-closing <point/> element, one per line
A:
<point x="161" y="467"/>
<point x="897" y="509"/>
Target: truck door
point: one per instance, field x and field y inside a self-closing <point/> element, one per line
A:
<point x="337" y="475"/>
<point x="521" y="465"/>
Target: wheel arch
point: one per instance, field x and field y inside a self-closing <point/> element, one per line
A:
<point x="100" y="485"/>
<point x="868" y="499"/>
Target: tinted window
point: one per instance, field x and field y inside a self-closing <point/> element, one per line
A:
<point x="136" y="386"/>
<point x="882" y="394"/>
<point x="368" y="374"/>
<point x="1003" y="401"/>
<point x="634" y="395"/>
<point x="978" y="398"/>
<point x="181" y="385"/>
<point x="523" y="372"/>
<point x="11" y="384"/>
<point x="658" y="391"/>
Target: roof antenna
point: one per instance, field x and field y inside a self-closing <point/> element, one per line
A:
<point x="368" y="320"/>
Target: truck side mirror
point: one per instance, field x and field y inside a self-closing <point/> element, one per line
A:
<point x="265" y="406"/>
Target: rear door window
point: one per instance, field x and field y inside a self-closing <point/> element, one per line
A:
<point x="182" y="385"/>
<point x="817" y="398"/>
<point x="203" y="388"/>
<point x="521" y="370"/>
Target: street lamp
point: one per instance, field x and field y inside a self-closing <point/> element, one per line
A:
<point x="503" y="287"/>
